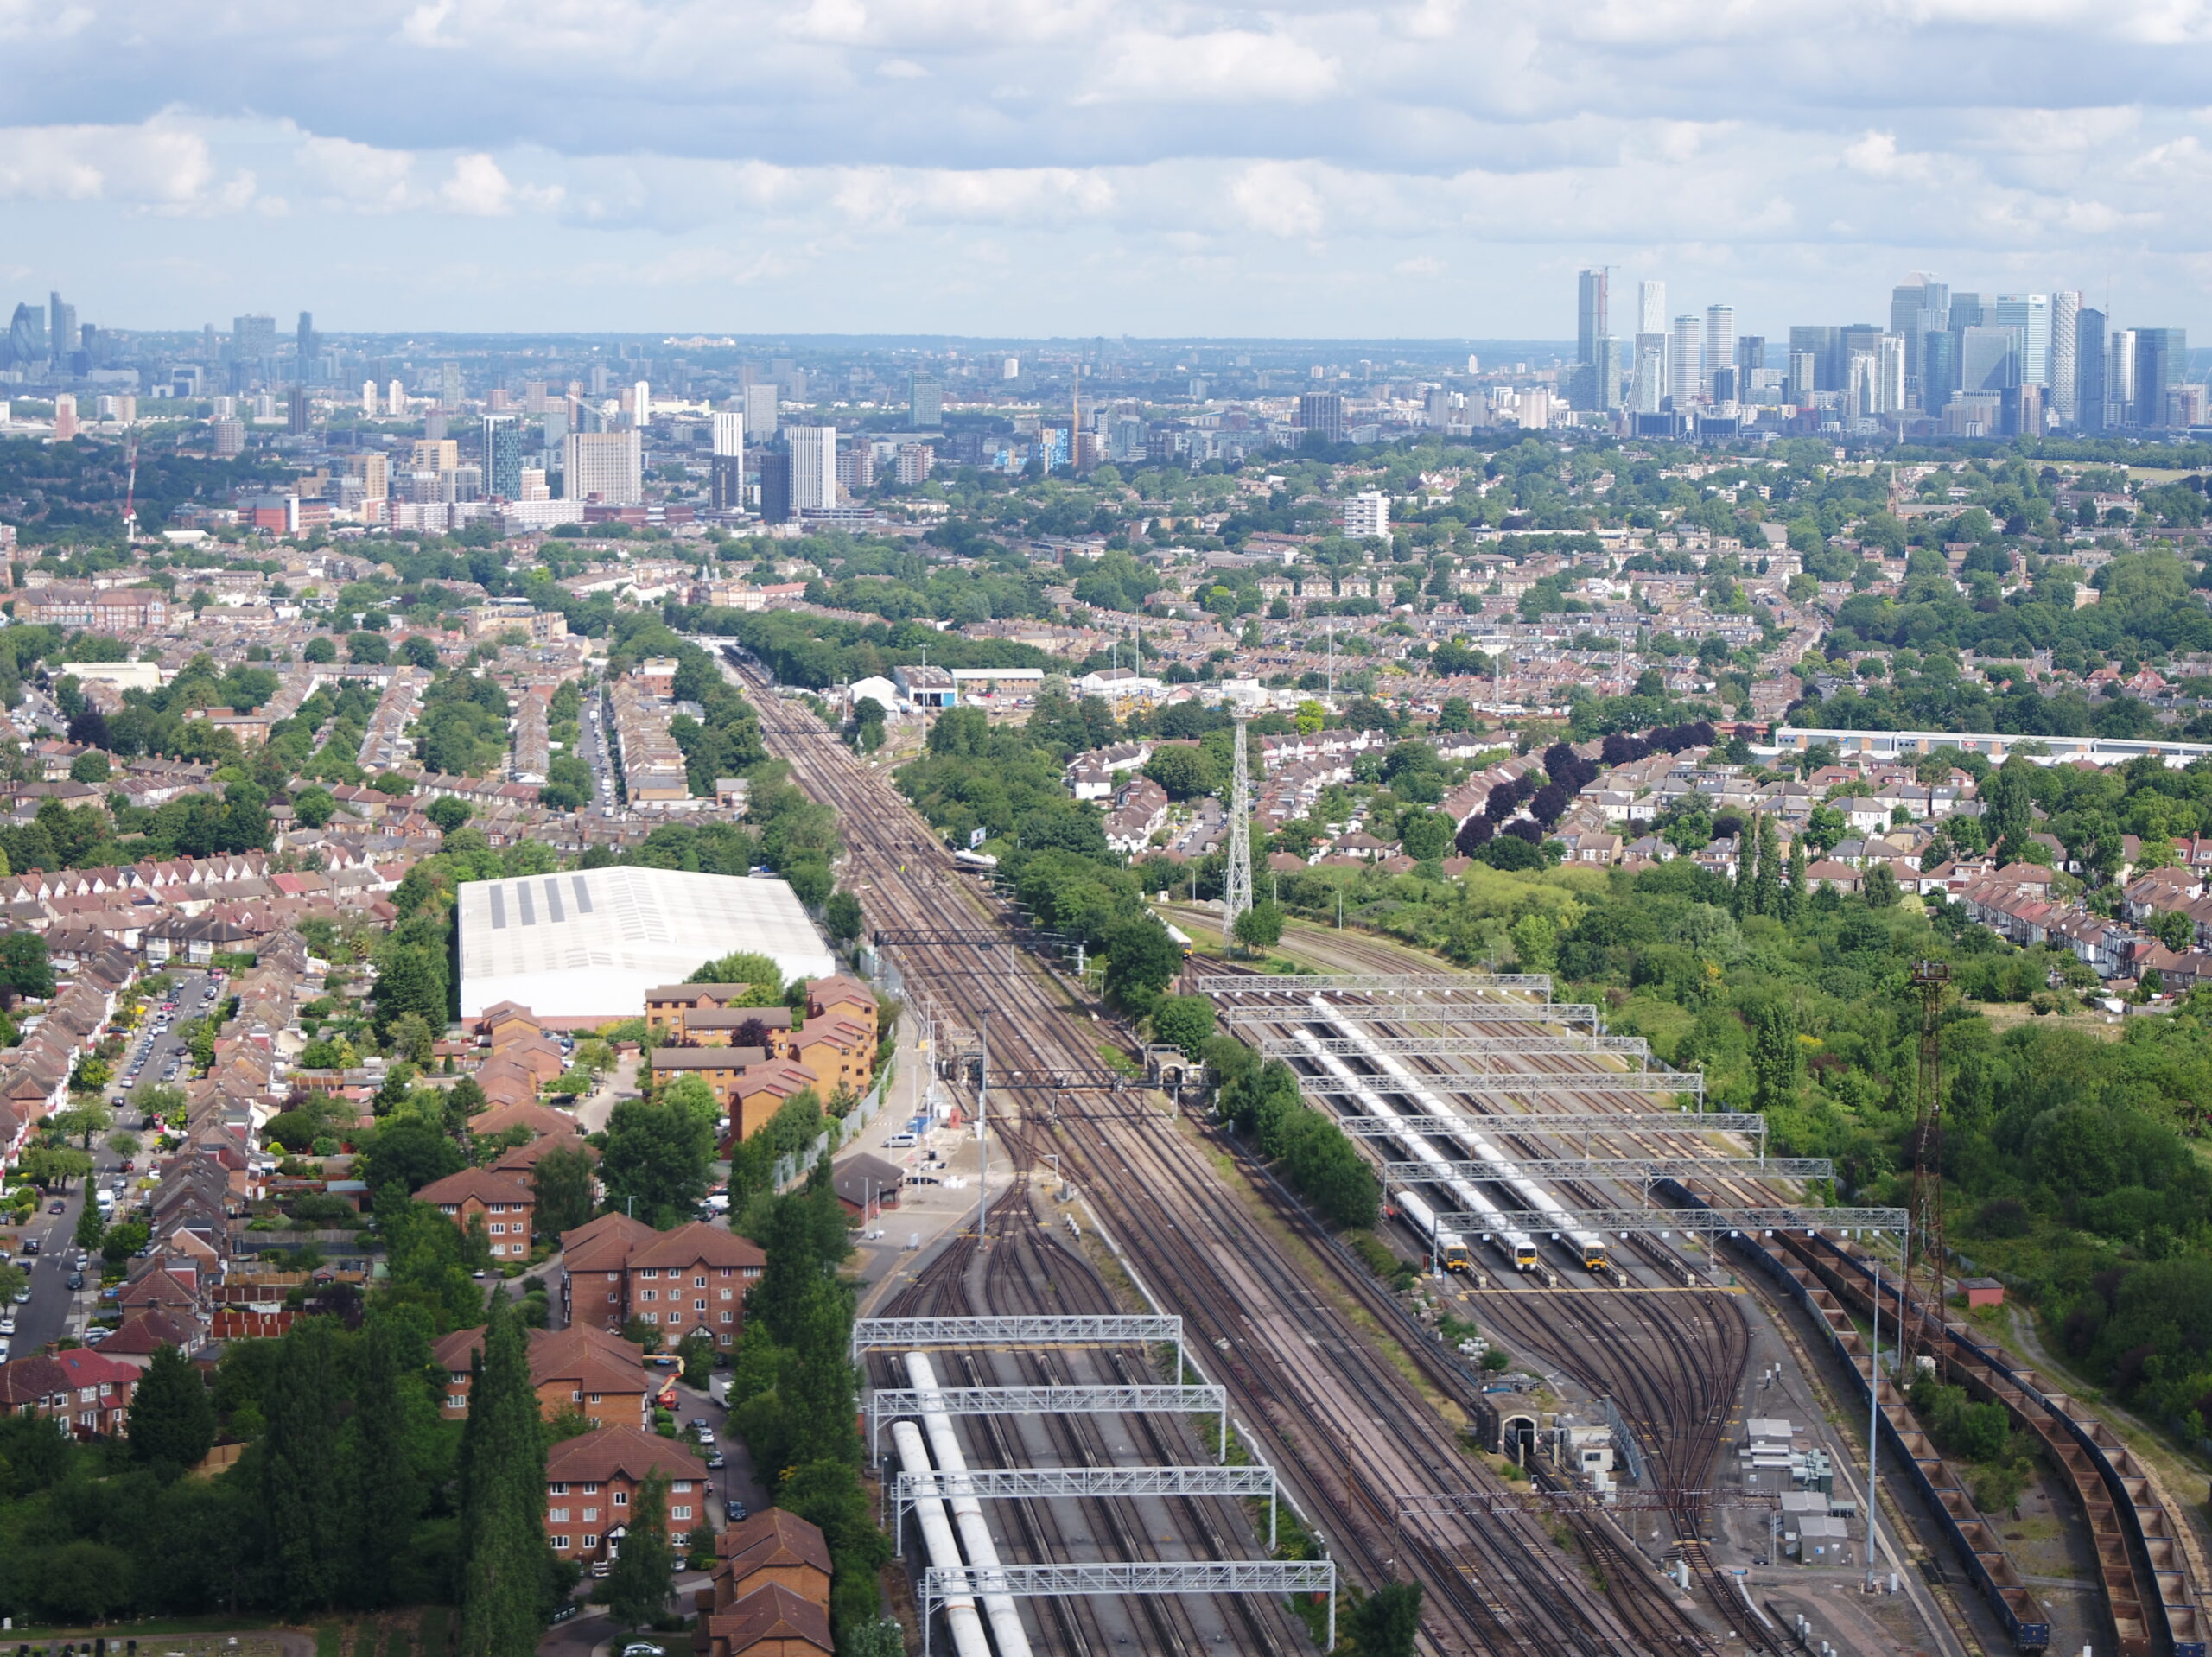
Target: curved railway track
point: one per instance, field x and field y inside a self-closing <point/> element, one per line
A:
<point x="1346" y="1425"/>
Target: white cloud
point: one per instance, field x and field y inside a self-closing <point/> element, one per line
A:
<point x="1276" y="200"/>
<point x="1235" y="65"/>
<point x="159" y="165"/>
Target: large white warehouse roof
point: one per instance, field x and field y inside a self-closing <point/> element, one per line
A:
<point x="594" y="942"/>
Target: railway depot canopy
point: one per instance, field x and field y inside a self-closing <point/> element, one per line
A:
<point x="593" y="942"/>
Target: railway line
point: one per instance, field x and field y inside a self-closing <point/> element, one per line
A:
<point x="1347" y="1422"/>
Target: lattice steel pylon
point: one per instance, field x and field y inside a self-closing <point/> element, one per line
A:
<point x="1926" y="1264"/>
<point x="1237" y="881"/>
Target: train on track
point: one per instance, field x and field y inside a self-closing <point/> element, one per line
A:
<point x="1589" y="1246"/>
<point x="1182" y="939"/>
<point x="982" y="862"/>
<point x="1517" y="1248"/>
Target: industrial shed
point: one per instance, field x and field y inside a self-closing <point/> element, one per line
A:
<point x="590" y="943"/>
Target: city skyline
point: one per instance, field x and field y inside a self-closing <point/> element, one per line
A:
<point x="1425" y="171"/>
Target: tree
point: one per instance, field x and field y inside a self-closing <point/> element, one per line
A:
<point x="1183" y="1021"/>
<point x="89" y="1228"/>
<point x="763" y="978"/>
<point x="314" y="806"/>
<point x="842" y="914"/>
<point x="25" y="973"/>
<point x="1142" y="960"/>
<point x="320" y="649"/>
<point x="1766" y="880"/>
<point x="1791" y="901"/>
<point x="562" y="1183"/>
<point x="448" y="813"/>
<point x="91" y="766"/>
<point x="411" y="978"/>
<point x="637" y="1587"/>
<point x="409" y="1152"/>
<point x="659" y="1156"/>
<point x="820" y="1382"/>
<point x="172" y="1421"/>
<point x="1426" y="836"/>
<point x="1880" y="887"/>
<point x="299" y="1503"/>
<point x="504" y="1574"/>
<point x="1384" y="1624"/>
<point x="2007" y="809"/>
<point x="1260" y="927"/>
<point x="1824" y="828"/>
<point x="1775" y="1062"/>
<point x="385" y="1492"/>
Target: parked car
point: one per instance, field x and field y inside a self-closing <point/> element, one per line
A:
<point x="716" y="1461"/>
<point x="733" y="1510"/>
<point x="57" y="1208"/>
<point x="567" y="1610"/>
<point x="76" y="1281"/>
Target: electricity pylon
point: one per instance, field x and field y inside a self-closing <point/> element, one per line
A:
<point x="1237" y="882"/>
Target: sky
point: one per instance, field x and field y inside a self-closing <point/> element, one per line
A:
<point x="1434" y="169"/>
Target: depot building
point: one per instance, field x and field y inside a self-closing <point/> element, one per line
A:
<point x="584" y="947"/>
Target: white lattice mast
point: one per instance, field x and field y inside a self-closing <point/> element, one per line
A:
<point x="1237" y="883"/>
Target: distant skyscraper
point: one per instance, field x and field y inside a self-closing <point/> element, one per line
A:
<point x="1822" y="344"/>
<point x="775" y="486"/>
<point x="726" y="479"/>
<point x="1647" y="393"/>
<point x="253" y="340"/>
<point x="609" y="464"/>
<point x="1889" y="375"/>
<point x="726" y="434"/>
<point x="304" y="337"/>
<point x="60" y="327"/>
<point x="1939" y="366"/>
<point x="1688" y="359"/>
<point x="2119" y="377"/>
<point x="368" y="399"/>
<point x="924" y="403"/>
<point x="2030" y="315"/>
<point x="395" y="400"/>
<point x="814" y="468"/>
<point x="297" y="419"/>
<point x="2065" y="311"/>
<point x="1606" y="371"/>
<point x="27" y="336"/>
<point x="502" y="456"/>
<point x="64" y="417"/>
<point x="1719" y="339"/>
<point x="641" y="403"/>
<point x="1918" y="305"/>
<point x="451" y="390"/>
<point x="2158" y="355"/>
<point x="2092" y="393"/>
<point x="1651" y="308"/>
<point x="1591" y="325"/>
<point x="760" y="412"/>
<point x="1322" y="414"/>
<point x="1989" y="359"/>
<point x="1804" y="375"/>
<point x="1751" y="358"/>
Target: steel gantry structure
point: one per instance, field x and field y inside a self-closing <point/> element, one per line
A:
<point x="1702" y="1221"/>
<point x="1044" y="1329"/>
<point x="1624" y="1168"/>
<point x="1374" y="983"/>
<point x="1027" y="1484"/>
<point x="1581" y="1124"/>
<point x="1419" y="1012"/>
<point x="1633" y="1047"/>
<point x="942" y="1582"/>
<point x="1488" y="1082"/>
<point x="885" y="1403"/>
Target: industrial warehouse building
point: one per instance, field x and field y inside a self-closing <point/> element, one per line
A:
<point x="589" y="944"/>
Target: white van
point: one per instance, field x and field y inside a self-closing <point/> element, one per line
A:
<point x="901" y="1142"/>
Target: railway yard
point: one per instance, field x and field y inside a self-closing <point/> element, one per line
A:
<point x="1652" y="1296"/>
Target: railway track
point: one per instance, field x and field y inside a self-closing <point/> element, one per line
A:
<point x="1346" y="1425"/>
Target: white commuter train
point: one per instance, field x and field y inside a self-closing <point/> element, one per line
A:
<point x="1588" y="1246"/>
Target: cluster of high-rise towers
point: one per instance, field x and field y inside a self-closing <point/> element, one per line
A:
<point x="1961" y="363"/>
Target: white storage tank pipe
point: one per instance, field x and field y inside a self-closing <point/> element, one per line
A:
<point x="1006" y="1632"/>
<point x="944" y="1550"/>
